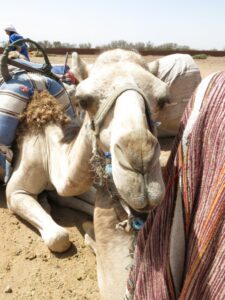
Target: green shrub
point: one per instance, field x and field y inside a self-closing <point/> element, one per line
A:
<point x="200" y="56"/>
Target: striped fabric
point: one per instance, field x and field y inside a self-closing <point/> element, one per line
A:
<point x="196" y="175"/>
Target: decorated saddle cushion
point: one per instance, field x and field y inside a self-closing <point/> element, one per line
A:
<point x="15" y="95"/>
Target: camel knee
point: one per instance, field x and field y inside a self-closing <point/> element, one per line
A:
<point x="11" y="203"/>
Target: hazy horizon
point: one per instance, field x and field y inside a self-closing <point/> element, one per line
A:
<point x="199" y="25"/>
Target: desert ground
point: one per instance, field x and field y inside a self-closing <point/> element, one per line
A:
<point x="28" y="270"/>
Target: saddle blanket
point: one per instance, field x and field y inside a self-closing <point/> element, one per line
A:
<point x="15" y="95"/>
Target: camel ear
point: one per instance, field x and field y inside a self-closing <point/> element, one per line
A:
<point x="79" y="67"/>
<point x="154" y="67"/>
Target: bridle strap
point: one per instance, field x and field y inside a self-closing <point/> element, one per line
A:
<point x="105" y="107"/>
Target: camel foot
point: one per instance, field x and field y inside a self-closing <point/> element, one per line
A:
<point x="57" y="240"/>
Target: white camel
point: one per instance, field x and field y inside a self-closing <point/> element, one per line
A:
<point x="43" y="162"/>
<point x="118" y="94"/>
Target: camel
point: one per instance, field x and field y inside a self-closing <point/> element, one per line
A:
<point x="126" y="131"/>
<point x="118" y="92"/>
<point x="135" y="173"/>
<point x="44" y="112"/>
<point x="44" y="162"/>
<point x="113" y="247"/>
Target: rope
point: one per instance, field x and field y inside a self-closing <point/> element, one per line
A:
<point x="108" y="103"/>
<point x="98" y="163"/>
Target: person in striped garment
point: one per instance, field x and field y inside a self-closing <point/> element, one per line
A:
<point x="180" y="252"/>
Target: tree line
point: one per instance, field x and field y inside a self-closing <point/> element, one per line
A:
<point x="115" y="44"/>
<point x="112" y="45"/>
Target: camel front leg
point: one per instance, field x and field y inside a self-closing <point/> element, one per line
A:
<point x="75" y="202"/>
<point x="27" y="207"/>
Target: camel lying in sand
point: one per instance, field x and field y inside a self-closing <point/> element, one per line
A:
<point x="47" y="158"/>
<point x="116" y="96"/>
<point x="44" y="162"/>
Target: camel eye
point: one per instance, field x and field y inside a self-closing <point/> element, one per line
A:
<point x="85" y="101"/>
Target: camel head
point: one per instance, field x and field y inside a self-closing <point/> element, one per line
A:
<point x="118" y="95"/>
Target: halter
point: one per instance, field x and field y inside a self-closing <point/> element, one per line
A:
<point x="101" y="162"/>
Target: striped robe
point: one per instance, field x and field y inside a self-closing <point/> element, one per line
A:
<point x="195" y="174"/>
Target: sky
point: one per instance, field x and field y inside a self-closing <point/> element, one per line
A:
<point x="195" y="23"/>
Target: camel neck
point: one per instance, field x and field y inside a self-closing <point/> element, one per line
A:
<point x="69" y="163"/>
